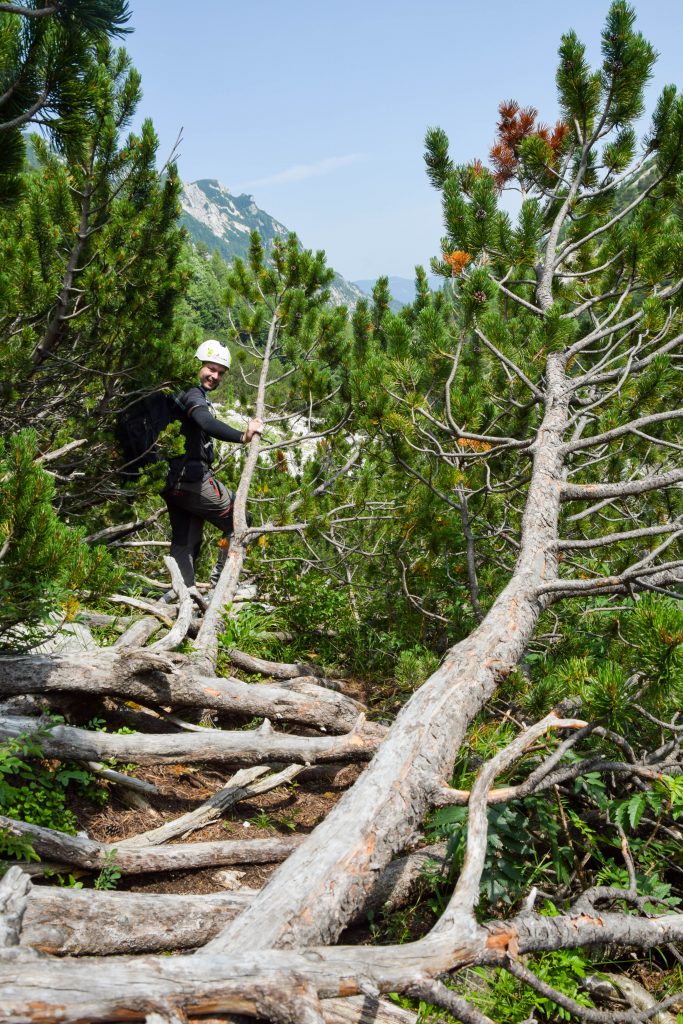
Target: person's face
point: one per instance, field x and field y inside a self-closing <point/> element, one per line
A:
<point x="210" y="375"/>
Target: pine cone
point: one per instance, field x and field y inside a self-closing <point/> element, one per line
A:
<point x="479" y="296"/>
<point x="480" y="214"/>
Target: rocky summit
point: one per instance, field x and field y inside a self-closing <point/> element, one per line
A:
<point x="223" y="222"/>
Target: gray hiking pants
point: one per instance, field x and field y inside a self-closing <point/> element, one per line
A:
<point x="190" y="505"/>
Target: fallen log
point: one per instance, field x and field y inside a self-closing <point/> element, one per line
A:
<point x="274" y="669"/>
<point x="84" y="921"/>
<point x="41" y="989"/>
<point x="130" y="860"/>
<point x="149" y="678"/>
<point x="212" y="746"/>
<point x="138" y="634"/>
<point x="77" y="922"/>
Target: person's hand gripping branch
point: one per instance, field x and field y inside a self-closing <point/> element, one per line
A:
<point x="254" y="426"/>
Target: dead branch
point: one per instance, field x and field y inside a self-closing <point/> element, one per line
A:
<point x="119" y="779"/>
<point x="207" y="638"/>
<point x="112" y="533"/>
<point x="154" y="680"/>
<point x="214" y="746"/>
<point x="241" y="786"/>
<point x="273" y="669"/>
<point x="57" y="454"/>
<point x="138" y="633"/>
<point x="150" y="607"/>
<point x="178" y="631"/>
<point x="132" y="860"/>
<point x="437" y="994"/>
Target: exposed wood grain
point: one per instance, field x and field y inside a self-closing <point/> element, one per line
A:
<point x="141" y="676"/>
<point x="212" y="746"/>
<point x="93" y="856"/>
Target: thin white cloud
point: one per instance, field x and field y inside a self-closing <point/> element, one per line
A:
<point x="302" y="171"/>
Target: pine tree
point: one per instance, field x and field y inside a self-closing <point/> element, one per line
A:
<point x="43" y="48"/>
<point x="94" y="271"/>
<point x="46" y="567"/>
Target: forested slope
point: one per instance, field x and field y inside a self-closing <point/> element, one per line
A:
<point x="439" y="681"/>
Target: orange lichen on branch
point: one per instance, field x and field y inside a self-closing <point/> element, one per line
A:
<point x="457" y="261"/>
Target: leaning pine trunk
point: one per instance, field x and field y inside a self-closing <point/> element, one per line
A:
<point x="385" y="808"/>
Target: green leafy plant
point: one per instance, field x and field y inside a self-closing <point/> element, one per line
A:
<point x="64" y="881"/>
<point x="15" y="847"/>
<point x="414" y="666"/>
<point x="251" y="629"/>
<point x="46" y="566"/>
<point x="263" y="821"/>
<point x="288" y="818"/>
<point x="110" y="874"/>
<point x="525" y="842"/>
<point x="36" y="792"/>
<point x="512" y="1002"/>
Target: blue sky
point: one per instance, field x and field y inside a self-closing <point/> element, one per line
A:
<point x="319" y="109"/>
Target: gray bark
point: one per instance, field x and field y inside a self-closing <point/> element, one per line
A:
<point x="226" y="588"/>
<point x="36" y="989"/>
<point x="383" y="811"/>
<point x="138" y="633"/>
<point x="274" y="669"/>
<point x="168" y="682"/>
<point x="14" y="894"/>
<point x="210" y="745"/>
<point x="93" y="856"/>
<point x="75" y="922"/>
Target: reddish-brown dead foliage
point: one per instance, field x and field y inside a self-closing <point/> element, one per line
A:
<point x="516" y="124"/>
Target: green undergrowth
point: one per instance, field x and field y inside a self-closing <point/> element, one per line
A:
<point x="39" y="792"/>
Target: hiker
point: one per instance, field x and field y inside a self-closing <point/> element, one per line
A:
<point x="192" y="493"/>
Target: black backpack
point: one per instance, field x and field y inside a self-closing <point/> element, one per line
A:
<point x="138" y="427"/>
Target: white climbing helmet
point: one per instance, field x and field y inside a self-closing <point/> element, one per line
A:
<point x="211" y="351"/>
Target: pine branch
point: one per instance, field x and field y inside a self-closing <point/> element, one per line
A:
<point x="588" y="492"/>
<point x="626" y="428"/>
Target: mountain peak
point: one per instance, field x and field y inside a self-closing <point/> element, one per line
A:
<point x="223" y="221"/>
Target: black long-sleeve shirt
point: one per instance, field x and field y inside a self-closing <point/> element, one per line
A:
<point x="199" y="426"/>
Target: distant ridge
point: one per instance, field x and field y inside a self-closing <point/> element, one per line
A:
<point x="223" y="222"/>
<point x="402" y="288"/>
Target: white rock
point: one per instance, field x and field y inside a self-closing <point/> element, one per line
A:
<point x="229" y="879"/>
